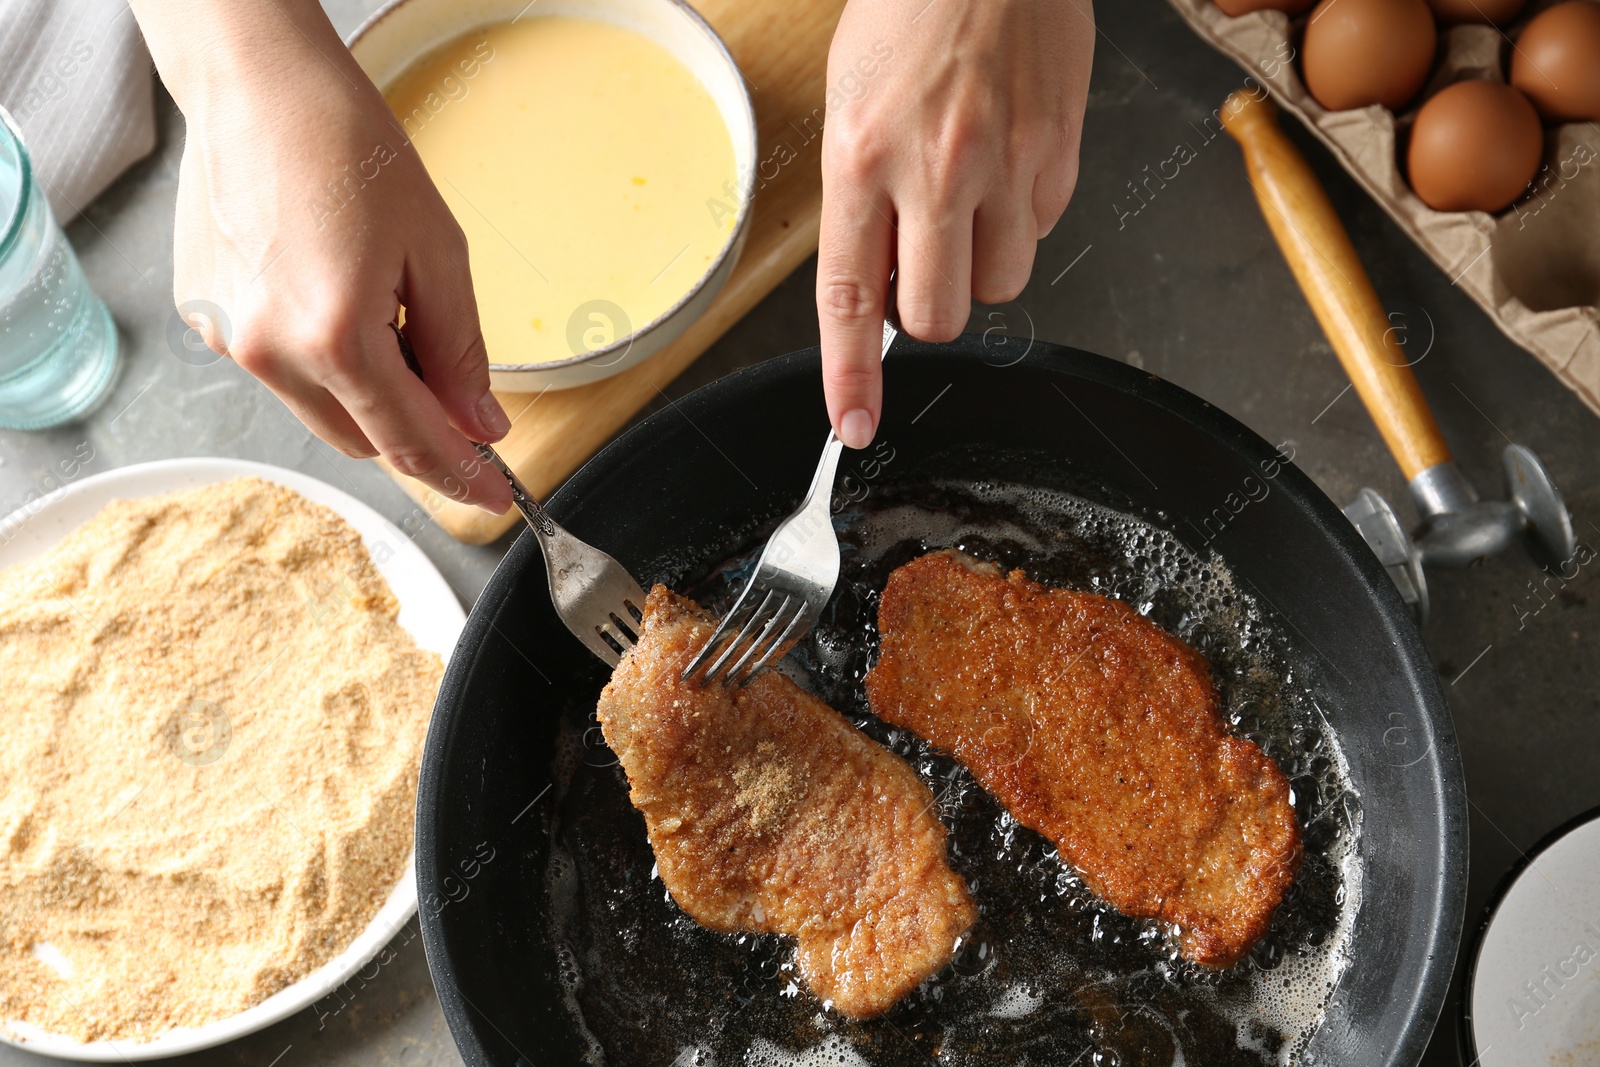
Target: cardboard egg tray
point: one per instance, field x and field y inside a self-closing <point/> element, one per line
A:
<point x="1535" y="267"/>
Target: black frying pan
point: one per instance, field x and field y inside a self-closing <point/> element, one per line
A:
<point x="690" y="485"/>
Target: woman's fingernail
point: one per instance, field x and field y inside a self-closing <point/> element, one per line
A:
<point x="492" y="417"/>
<point x="855" y="428"/>
<point x="494" y="509"/>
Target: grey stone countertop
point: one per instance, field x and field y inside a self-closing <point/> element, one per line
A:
<point x="1186" y="283"/>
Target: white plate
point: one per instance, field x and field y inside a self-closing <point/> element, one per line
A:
<point x="1534" y="983"/>
<point x="429" y="611"/>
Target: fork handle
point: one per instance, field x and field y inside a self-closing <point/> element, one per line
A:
<point x="821" y="487"/>
<point x="891" y="317"/>
<point x="531" y="509"/>
<point x="828" y="466"/>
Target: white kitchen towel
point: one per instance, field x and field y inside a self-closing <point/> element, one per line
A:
<point x="77" y="78"/>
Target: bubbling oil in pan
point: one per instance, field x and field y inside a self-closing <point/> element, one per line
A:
<point x="1050" y="974"/>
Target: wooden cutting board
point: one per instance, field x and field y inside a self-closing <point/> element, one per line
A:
<point x="782" y="47"/>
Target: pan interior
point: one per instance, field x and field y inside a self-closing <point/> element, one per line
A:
<point x="1051" y="972"/>
<point x="683" y="498"/>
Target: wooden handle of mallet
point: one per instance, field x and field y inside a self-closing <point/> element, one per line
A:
<point x="1324" y="263"/>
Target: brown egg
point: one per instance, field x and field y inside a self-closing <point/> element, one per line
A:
<point x="1488" y="12"/>
<point x="1556" y="62"/>
<point x="1361" y="52"/>
<point x="1244" y="7"/>
<point x="1475" y="146"/>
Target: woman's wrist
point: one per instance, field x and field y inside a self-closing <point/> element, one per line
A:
<point x="215" y="54"/>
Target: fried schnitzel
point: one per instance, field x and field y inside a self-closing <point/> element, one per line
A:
<point x="769" y="812"/>
<point x="1099" y="730"/>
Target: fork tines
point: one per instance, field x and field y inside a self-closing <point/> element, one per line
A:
<point x="620" y="633"/>
<point x="763" y="637"/>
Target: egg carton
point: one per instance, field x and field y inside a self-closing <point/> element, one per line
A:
<point x="1535" y="267"/>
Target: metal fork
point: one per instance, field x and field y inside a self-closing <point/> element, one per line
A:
<point x="794" y="577"/>
<point x="594" y="594"/>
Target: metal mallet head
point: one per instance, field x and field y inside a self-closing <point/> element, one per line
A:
<point x="1457" y="527"/>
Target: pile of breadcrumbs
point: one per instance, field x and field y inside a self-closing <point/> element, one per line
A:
<point x="211" y="731"/>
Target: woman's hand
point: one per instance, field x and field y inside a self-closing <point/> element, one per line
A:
<point x="304" y="221"/>
<point x="958" y="157"/>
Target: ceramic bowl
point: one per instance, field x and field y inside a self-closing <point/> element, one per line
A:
<point x="404" y="31"/>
